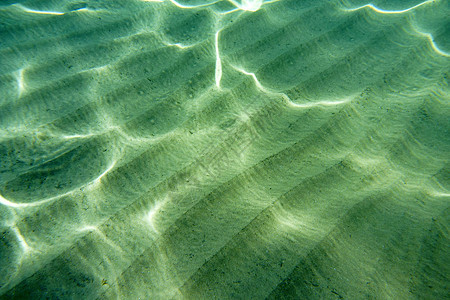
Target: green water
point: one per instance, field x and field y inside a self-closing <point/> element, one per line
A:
<point x="207" y="149"/>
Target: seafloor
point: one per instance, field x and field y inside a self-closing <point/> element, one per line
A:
<point x="200" y="149"/>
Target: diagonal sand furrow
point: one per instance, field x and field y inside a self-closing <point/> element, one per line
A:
<point x="223" y="149"/>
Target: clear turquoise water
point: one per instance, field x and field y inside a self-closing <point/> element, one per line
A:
<point x="226" y="149"/>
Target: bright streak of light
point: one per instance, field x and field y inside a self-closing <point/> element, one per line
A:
<point x="261" y="87"/>
<point x="424" y="34"/>
<point x="93" y="183"/>
<point x="189" y="6"/>
<point x="96" y="182"/>
<point x="320" y="103"/>
<point x="47" y="12"/>
<point x="258" y="84"/>
<point x="218" y="74"/>
<point x="440" y="194"/>
<point x="382" y="11"/>
<point x="433" y="45"/>
<point x="99" y="178"/>
<point x="23" y="243"/>
<point x="77" y="136"/>
<point x="150" y="216"/>
<point x="178" y="45"/>
<point x="20" y="81"/>
<point x="41" y="12"/>
<point x="88" y="228"/>
<point x="98" y="69"/>
<point x="248" y="5"/>
<point x="8" y="203"/>
<point x="230" y="11"/>
<point x="289" y="101"/>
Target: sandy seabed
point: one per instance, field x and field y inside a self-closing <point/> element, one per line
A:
<point x="224" y="149"/>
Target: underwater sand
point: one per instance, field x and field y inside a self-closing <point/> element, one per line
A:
<point x="290" y="149"/>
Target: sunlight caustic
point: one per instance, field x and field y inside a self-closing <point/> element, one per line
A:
<point x="433" y="44"/>
<point x="20" y="81"/>
<point x="383" y="11"/>
<point x="218" y="74"/>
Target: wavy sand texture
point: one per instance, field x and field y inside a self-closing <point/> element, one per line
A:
<point x="224" y="149"/>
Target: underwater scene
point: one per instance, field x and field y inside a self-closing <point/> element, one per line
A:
<point x="224" y="149"/>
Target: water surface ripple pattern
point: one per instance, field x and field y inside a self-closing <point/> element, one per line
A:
<point x="223" y="149"/>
